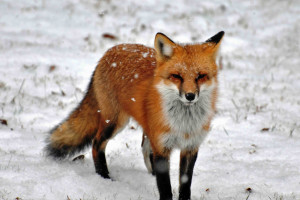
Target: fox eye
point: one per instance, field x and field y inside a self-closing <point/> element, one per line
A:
<point x="176" y="76"/>
<point x="201" y="76"/>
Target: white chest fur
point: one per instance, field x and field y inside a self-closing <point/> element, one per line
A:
<point x="183" y="141"/>
<point x="185" y="121"/>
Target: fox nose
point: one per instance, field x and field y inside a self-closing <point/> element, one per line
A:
<point x="190" y="96"/>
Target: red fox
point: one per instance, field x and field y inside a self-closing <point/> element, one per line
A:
<point x="170" y="91"/>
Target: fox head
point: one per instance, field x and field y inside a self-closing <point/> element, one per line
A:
<point x="186" y="72"/>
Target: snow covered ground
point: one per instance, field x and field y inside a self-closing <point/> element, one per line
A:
<point x="49" y="49"/>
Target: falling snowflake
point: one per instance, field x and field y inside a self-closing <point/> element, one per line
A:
<point x="184" y="178"/>
<point x="145" y="55"/>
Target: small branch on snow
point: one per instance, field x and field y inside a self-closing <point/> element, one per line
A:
<point x="226" y="131"/>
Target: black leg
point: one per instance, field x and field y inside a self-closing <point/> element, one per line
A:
<point x="152" y="164"/>
<point x="99" y="144"/>
<point x="100" y="165"/>
<point x="187" y="162"/>
<point x="161" y="168"/>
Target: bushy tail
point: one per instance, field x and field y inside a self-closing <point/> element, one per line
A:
<point x="77" y="131"/>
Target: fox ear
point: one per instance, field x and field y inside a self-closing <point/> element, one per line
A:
<point x="212" y="44"/>
<point x="163" y="46"/>
<point x="216" y="38"/>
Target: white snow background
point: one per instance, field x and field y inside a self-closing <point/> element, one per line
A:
<point x="49" y="49"/>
